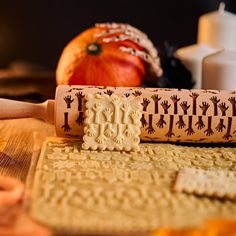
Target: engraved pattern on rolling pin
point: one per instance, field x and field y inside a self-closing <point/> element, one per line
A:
<point x="191" y="110"/>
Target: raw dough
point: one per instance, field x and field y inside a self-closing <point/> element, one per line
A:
<point x="112" y="123"/>
<point x="117" y="192"/>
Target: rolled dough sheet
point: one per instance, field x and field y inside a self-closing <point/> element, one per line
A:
<point x="90" y="192"/>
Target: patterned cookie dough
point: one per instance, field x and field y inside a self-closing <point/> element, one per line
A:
<point x="91" y="192"/>
<point x="112" y="123"/>
<point x="217" y="183"/>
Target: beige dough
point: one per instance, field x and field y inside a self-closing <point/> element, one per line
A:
<point x="117" y="192"/>
<point x="112" y="123"/>
<point x="217" y="183"/>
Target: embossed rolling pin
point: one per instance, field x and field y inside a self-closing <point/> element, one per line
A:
<point x="167" y="114"/>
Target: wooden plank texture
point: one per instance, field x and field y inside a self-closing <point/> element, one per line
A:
<point x="18" y="135"/>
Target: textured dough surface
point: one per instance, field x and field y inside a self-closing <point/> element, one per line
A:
<point x="112" y="123"/>
<point x="103" y="192"/>
<point x="212" y="183"/>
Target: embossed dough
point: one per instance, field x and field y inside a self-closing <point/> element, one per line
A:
<point x="217" y="183"/>
<point x="118" y="192"/>
<point x="112" y="122"/>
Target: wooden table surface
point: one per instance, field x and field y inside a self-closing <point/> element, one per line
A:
<point x="18" y="134"/>
<point x="15" y="158"/>
<point x="15" y="161"/>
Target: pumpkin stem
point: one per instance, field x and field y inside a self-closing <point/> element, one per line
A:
<point x="94" y="48"/>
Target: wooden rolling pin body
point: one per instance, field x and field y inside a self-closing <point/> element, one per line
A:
<point x="14" y="109"/>
<point x="168" y="114"/>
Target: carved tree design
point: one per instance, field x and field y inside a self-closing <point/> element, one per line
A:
<point x="66" y="126"/>
<point x="97" y="109"/>
<point x="184" y="105"/>
<point x="135" y="115"/>
<point x="165" y="106"/>
<point x="80" y="97"/>
<point x="232" y="100"/>
<point x="180" y="122"/>
<point x="129" y="131"/>
<point x="175" y="101"/>
<point x="126" y="108"/>
<point x="204" y="107"/>
<point x="68" y="101"/>
<point x="101" y="137"/>
<point x="80" y="118"/>
<point x="117" y="103"/>
<point x="137" y="93"/>
<point x="161" y="122"/>
<point x="194" y="96"/>
<point x="108" y="114"/>
<point x="209" y="130"/>
<point x="119" y="138"/>
<point x="150" y="128"/>
<point x="109" y="92"/>
<point x="91" y="130"/>
<point x="143" y="120"/>
<point x="220" y="126"/>
<point x="145" y="103"/>
<point x="109" y="130"/>
<point x="223" y="108"/>
<point x="170" y="133"/>
<point x="89" y="116"/>
<point x="199" y="123"/>
<point x="156" y="99"/>
<point x="215" y="101"/>
<point x="227" y="136"/>
<point x="190" y="130"/>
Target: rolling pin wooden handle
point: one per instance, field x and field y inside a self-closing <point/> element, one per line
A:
<point x="15" y="109"/>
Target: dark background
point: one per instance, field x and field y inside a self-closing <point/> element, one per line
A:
<point x="37" y="31"/>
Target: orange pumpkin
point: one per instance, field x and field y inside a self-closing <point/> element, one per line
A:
<point x="88" y="60"/>
<point x="211" y="227"/>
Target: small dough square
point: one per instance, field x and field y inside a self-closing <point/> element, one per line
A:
<point x="211" y="183"/>
<point x="112" y="123"/>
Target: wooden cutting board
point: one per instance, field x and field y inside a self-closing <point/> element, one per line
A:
<point x="16" y="135"/>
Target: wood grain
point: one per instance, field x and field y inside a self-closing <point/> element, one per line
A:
<point x="18" y="135"/>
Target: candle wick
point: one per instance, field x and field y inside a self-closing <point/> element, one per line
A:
<point x="222" y="7"/>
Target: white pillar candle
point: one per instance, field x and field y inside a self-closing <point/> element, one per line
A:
<point x="218" y="29"/>
<point x="219" y="71"/>
<point x="192" y="57"/>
